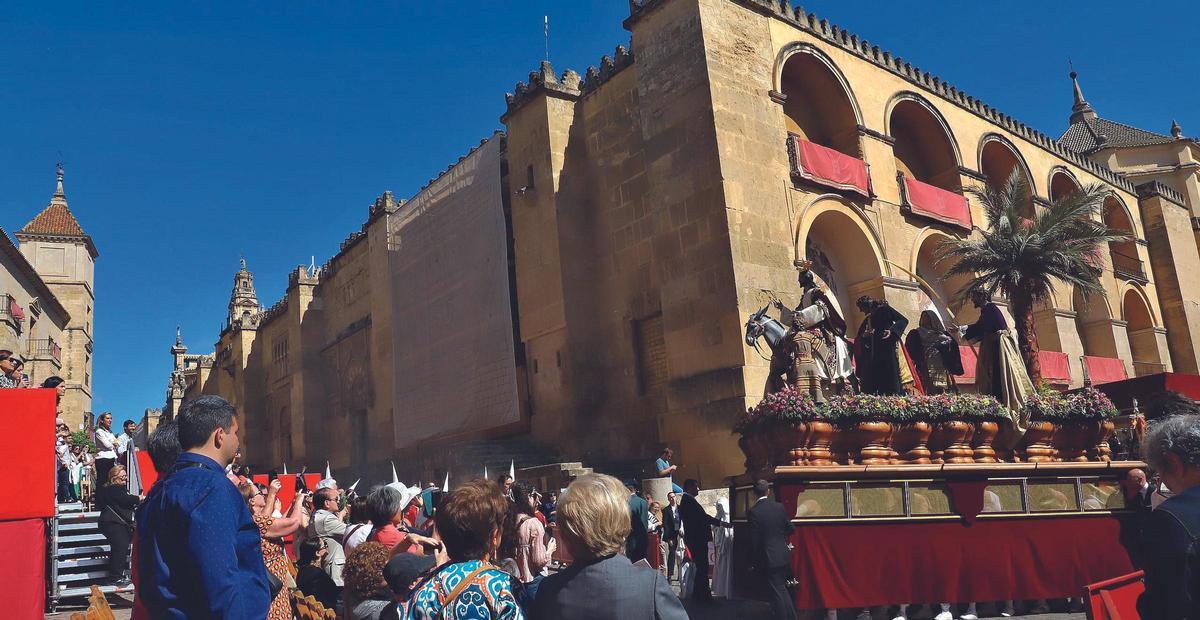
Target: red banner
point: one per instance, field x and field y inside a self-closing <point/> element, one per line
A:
<point x="857" y="565"/>
<point x="15" y="309"/>
<point x="1105" y="369"/>
<point x="828" y="167"/>
<point x="30" y="459"/>
<point x="146" y="469"/>
<point x="937" y="203"/>
<point x="287" y="492"/>
<point x="1056" y="367"/>
<point x="23" y="571"/>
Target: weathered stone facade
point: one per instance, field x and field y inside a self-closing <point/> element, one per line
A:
<point x="49" y="280"/>
<point x="655" y="204"/>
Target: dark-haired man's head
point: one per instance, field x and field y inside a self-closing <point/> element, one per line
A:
<point x="311" y="550"/>
<point x="691" y="487"/>
<point x="325" y="499"/>
<point x="761" y="488"/>
<point x="980" y="298"/>
<point x="208" y="425"/>
<point x="129" y="427"/>
<point x="163" y="446"/>
<point x="404" y="570"/>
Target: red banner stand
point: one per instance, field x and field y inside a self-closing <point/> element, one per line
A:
<point x="31" y="460"/>
<point x="1115" y="599"/>
<point x="146" y="470"/>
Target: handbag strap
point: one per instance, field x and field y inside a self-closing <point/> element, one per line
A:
<point x="468" y="580"/>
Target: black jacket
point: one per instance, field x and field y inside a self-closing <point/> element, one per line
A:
<point x="116" y="499"/>
<point x="697" y="524"/>
<point x="769" y="531"/>
<point x="1171" y="550"/>
<point x="670" y="524"/>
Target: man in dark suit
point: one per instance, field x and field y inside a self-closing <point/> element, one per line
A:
<point x="697" y="533"/>
<point x="769" y="531"/>
<point x="670" y="535"/>
<point x="639" y="525"/>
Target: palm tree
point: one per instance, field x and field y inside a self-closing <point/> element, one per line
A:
<point x="1021" y="258"/>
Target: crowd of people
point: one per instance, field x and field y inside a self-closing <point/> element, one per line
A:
<point x="209" y="541"/>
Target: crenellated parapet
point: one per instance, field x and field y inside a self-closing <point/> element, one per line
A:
<point x="542" y="81"/>
<point x="844" y="39"/>
<point x="1157" y="188"/>
<point x="609" y="66"/>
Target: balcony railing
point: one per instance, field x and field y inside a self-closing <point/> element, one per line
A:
<point x="46" y="348"/>
<point x="1128" y="267"/>
<point x="1141" y="369"/>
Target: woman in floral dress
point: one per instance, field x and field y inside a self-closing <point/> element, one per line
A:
<point x="273" y="530"/>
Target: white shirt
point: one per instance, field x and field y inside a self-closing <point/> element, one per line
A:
<point x="123" y="441"/>
<point x="356" y="535"/>
<point x="106" y="444"/>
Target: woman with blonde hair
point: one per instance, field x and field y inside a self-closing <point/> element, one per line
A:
<point x="116" y="522"/>
<point x="593" y="516"/>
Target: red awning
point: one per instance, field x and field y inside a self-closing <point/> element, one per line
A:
<point x="1056" y="368"/>
<point x="825" y="166"/>
<point x="934" y="202"/>
<point x="969" y="360"/>
<point x="15" y="309"/>
<point x="1104" y="369"/>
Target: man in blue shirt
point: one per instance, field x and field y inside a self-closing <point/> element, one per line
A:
<point x="199" y="551"/>
<point x="666" y="469"/>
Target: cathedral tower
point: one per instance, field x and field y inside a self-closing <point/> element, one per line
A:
<point x="64" y="256"/>
<point x="243" y="301"/>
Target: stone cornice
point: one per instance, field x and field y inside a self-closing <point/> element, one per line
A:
<point x="972" y="174"/>
<point x="882" y="137"/>
<point x="822" y="29"/>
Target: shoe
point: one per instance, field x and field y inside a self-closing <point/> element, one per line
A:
<point x="123" y="583"/>
<point x="945" y="615"/>
<point x="968" y="617"/>
<point x="831" y="614"/>
<point x="900" y="618"/>
<point x="863" y="615"/>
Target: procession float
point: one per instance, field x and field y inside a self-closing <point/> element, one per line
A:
<point x="929" y="494"/>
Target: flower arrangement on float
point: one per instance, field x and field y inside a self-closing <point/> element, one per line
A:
<point x="789" y="427"/>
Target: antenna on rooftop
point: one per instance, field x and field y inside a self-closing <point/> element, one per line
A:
<point x="546" y="34"/>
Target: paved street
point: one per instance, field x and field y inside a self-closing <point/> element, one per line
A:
<point x="720" y="610"/>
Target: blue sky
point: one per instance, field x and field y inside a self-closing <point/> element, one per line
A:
<point x="195" y="132"/>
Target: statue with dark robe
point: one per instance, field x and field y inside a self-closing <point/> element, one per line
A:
<point x="1000" y="370"/>
<point x="877" y="360"/>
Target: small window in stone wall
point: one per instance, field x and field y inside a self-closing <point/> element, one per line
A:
<point x="650" y="354"/>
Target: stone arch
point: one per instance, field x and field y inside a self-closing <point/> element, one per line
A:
<point x="1093" y="322"/>
<point x="998" y="157"/>
<point x="1142" y="329"/>
<point x="1061" y="183"/>
<point x="1126" y="263"/>
<point x="924" y="148"/>
<point x="819" y="103"/>
<point x="945" y="298"/>
<point x="845" y="251"/>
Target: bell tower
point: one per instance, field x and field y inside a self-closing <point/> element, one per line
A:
<point x="243" y="301"/>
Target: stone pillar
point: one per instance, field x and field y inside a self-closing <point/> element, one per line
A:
<point x="1175" y="261"/>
